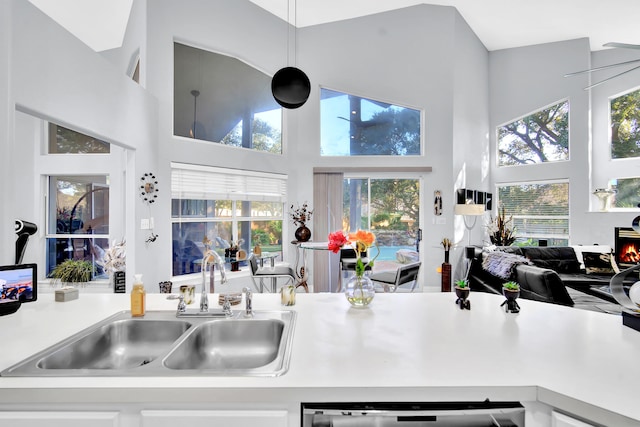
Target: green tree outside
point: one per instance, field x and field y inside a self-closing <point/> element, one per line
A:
<point x="537" y="138"/>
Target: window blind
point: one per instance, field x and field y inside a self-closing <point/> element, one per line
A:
<point x="538" y="209"/>
<point x="213" y="183"/>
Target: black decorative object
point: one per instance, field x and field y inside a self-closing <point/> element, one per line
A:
<point x="511" y="295"/>
<point x="290" y="87"/>
<point x="119" y="282"/>
<point x="489" y="201"/>
<point x="463" y="297"/>
<point x="148" y="188"/>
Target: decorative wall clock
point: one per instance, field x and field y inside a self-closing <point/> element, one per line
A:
<point x="148" y="188"/>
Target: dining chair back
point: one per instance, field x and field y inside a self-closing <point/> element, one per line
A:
<point x="272" y="273"/>
<point x="391" y="281"/>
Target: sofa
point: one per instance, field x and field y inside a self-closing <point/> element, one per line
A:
<point x="548" y="274"/>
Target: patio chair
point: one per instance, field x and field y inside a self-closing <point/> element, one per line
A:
<point x="274" y="273"/>
<point x="390" y="280"/>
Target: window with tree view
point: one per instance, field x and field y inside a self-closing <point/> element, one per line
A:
<point x="221" y="99"/>
<point x="539" y="210"/>
<point x="625" y="125"/>
<point x="78" y="221"/>
<point x="355" y="126"/>
<point x="67" y="141"/>
<point x="228" y="207"/>
<point x="390" y="208"/>
<point x="627" y="192"/>
<point x="540" y="137"/>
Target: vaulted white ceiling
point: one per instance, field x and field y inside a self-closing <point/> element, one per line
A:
<point x="499" y="24"/>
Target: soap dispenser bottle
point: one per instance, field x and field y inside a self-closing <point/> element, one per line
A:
<point x="138" y="297"/>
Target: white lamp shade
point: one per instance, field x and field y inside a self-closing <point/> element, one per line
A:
<point x="470" y="209"/>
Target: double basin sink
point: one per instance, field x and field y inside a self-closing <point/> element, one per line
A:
<point x="160" y="344"/>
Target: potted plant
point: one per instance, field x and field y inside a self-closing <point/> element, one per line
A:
<point x="511" y="291"/>
<point x="72" y="271"/>
<point x="462" y="292"/>
<point x="501" y="229"/>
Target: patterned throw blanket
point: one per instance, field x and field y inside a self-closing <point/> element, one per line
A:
<point x="501" y="264"/>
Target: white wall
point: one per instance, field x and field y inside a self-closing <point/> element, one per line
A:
<point x="603" y="167"/>
<point x="424" y="57"/>
<point x="524" y="80"/>
<point x="56" y="77"/>
<point x="405" y="56"/>
<point x="7" y="217"/>
<point x="470" y="148"/>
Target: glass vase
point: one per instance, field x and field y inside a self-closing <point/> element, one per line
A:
<point x="359" y="291"/>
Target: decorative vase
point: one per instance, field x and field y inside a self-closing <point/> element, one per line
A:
<point x="359" y="291"/>
<point x="445" y="279"/>
<point x="303" y="234"/>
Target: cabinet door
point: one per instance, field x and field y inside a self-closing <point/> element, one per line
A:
<point x="218" y="418"/>
<point x="561" y="420"/>
<point x="58" y="419"/>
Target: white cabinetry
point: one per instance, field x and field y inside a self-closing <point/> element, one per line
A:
<point x="215" y="418"/>
<point x="561" y="420"/>
<point x="58" y="419"/>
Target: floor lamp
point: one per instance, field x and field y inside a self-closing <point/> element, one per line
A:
<point x="474" y="211"/>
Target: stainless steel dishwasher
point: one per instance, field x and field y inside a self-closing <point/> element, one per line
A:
<point x="411" y="414"/>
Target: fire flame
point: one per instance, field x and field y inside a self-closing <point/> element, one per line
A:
<point x="630" y="253"/>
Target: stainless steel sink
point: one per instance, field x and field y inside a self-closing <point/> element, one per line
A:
<point x="120" y="344"/>
<point x="229" y="345"/>
<point x="161" y="345"/>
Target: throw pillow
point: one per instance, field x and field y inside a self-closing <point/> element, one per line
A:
<point x="501" y="264"/>
<point x="599" y="263"/>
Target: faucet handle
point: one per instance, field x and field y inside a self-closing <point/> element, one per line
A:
<point x="226" y="306"/>
<point x="182" y="307"/>
<point x="248" y="300"/>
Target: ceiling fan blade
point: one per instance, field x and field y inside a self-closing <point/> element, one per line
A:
<point x="612" y="77"/>
<point x="622" y="45"/>
<point x="604" y="67"/>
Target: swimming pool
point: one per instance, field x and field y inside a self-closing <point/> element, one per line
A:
<point x="388" y="253"/>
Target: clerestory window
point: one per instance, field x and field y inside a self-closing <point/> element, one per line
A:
<point x="221" y="99"/>
<point x="354" y="126"/>
<point x="540" y="137"/>
<point x="625" y="125"/>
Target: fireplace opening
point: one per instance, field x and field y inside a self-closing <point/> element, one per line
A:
<point x="627" y="247"/>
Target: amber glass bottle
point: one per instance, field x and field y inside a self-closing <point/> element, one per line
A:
<point x="138" y="297"/>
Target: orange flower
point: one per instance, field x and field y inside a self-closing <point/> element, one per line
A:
<point x="363" y="237"/>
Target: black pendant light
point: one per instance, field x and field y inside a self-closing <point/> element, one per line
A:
<point x="290" y="86"/>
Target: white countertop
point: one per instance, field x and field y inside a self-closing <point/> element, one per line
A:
<point x="404" y="343"/>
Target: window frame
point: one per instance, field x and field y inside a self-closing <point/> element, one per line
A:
<point x="420" y="110"/>
<point x="497" y="135"/>
<point x="235" y="196"/>
<point x="498" y="205"/>
<point x="50" y="235"/>
<point x="189" y="136"/>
